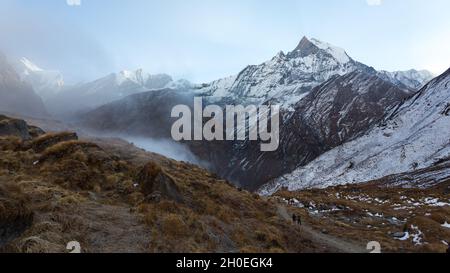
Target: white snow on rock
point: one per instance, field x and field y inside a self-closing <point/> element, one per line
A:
<point x="414" y="135"/>
<point x="337" y="52"/>
<point x="446" y="225"/>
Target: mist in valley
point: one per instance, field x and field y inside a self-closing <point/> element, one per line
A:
<point x="165" y="147"/>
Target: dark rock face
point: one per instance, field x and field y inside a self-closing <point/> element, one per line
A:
<point x="156" y="184"/>
<point x="304" y="48"/>
<point x="14" y="127"/>
<point x="16" y="96"/>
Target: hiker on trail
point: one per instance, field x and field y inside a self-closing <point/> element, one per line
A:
<point x="294" y="218"/>
<point x="299" y="220"/>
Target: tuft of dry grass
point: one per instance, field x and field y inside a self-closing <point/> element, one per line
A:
<point x="42" y="142"/>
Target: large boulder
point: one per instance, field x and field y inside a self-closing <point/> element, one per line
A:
<point x="155" y="183"/>
<point x="14" y="127"/>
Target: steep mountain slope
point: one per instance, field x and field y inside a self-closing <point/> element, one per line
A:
<point x="414" y="135"/>
<point x="17" y="96"/>
<point x="113" y="87"/>
<point x="46" y="83"/>
<point x="332" y="113"/>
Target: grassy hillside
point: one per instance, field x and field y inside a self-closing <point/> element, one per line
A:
<point x="112" y="197"/>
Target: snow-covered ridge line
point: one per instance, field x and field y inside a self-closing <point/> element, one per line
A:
<point x="287" y="78"/>
<point x="415" y="135"/>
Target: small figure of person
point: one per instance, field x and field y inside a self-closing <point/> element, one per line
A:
<point x="299" y="220"/>
<point x="294" y="218"/>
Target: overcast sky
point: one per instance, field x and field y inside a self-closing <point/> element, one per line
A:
<point x="203" y="40"/>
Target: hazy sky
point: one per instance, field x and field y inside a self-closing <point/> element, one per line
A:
<point x="202" y="40"/>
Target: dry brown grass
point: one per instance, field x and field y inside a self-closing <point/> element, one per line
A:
<point x="66" y="181"/>
<point x="42" y="142"/>
<point x="359" y="221"/>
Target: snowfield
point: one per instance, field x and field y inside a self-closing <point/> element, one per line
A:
<point x="414" y="135"/>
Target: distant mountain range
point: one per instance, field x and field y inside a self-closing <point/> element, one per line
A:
<point x="83" y="97"/>
<point x="327" y="97"/>
<point x="285" y="79"/>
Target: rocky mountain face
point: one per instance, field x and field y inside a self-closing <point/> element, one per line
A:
<point x="16" y="96"/>
<point x="414" y="135"/>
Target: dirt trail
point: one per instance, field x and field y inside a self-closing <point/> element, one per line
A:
<point x="114" y="229"/>
<point x="334" y="243"/>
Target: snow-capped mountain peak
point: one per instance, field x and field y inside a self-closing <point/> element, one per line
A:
<point x="286" y="78"/>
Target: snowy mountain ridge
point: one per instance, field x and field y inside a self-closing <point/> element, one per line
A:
<point x="414" y="135"/>
<point x="287" y="78"/>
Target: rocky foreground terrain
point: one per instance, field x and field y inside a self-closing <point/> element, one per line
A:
<point x="113" y="197"/>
